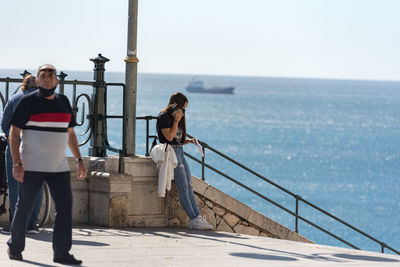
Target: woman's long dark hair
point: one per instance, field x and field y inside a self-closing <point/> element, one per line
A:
<point x="177" y="100"/>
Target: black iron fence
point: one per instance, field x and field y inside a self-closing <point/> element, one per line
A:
<point x="94" y="119"/>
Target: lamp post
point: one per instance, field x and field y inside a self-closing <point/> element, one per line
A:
<point x="97" y="148"/>
<point x="131" y="61"/>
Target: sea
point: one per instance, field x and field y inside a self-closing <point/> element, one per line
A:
<point x="334" y="143"/>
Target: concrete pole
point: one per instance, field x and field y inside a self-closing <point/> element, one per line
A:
<point x="131" y="82"/>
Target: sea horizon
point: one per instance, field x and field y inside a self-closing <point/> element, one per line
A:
<point x="33" y="70"/>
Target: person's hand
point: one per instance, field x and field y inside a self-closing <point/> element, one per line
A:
<point x="178" y="115"/>
<point x="18" y="173"/>
<point x="82" y="171"/>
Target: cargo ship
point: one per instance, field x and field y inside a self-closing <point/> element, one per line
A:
<point x="196" y="86"/>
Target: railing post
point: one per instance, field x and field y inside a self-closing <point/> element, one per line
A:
<point x="7" y="89"/>
<point x="97" y="148"/>
<point x="203" y="159"/>
<point x="297" y="214"/>
<point x="383" y="245"/>
<point x="61" y="77"/>
<point x="25" y="73"/>
<point x="74" y="104"/>
<point x="147" y="137"/>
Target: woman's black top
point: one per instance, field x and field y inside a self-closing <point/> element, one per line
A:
<point x="165" y="120"/>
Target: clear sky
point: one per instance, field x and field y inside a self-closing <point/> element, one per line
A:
<point x="351" y="39"/>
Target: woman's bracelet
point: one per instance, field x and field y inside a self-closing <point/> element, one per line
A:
<point x="17" y="164"/>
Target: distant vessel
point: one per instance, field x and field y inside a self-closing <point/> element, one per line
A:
<point x="196" y="86"/>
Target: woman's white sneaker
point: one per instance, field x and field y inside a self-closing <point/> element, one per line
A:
<point x="210" y="227"/>
<point x="199" y="224"/>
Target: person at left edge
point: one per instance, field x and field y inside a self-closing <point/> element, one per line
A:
<point x="46" y="121"/>
<point x="28" y="86"/>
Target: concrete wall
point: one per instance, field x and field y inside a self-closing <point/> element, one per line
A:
<point x="131" y="200"/>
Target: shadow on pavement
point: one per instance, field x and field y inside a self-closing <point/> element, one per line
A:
<point x="47" y="236"/>
<point x="38" y="263"/>
<point x="286" y="255"/>
<point x="258" y="256"/>
<point x="166" y="232"/>
<point x="364" y="258"/>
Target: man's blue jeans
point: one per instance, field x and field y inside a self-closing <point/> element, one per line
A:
<point x="183" y="180"/>
<point x="13" y="191"/>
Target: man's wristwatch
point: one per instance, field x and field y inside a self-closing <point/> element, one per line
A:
<point x="17" y="164"/>
<point x="78" y="159"/>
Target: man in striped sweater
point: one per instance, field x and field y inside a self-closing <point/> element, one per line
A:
<point x="45" y="122"/>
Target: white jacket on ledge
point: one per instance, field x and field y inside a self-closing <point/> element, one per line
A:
<point x="166" y="162"/>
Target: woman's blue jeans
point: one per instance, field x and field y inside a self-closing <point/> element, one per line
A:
<point x="13" y="191"/>
<point x="183" y="180"/>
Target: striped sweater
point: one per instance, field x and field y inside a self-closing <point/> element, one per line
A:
<point x="44" y="125"/>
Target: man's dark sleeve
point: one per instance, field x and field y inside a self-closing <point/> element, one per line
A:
<point x="21" y="114"/>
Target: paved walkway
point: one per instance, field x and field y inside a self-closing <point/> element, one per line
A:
<point x="182" y="247"/>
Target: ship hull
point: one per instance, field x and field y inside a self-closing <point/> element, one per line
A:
<point x="211" y="90"/>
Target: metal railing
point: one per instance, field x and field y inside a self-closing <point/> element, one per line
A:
<point x="96" y="126"/>
<point x="296" y="197"/>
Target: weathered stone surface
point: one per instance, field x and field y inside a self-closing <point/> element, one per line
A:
<point x="217" y="219"/>
<point x="209" y="215"/>
<point x="99" y="208"/>
<point x="223" y="226"/>
<point x="209" y="204"/>
<point x="118" y="212"/>
<point x="147" y="221"/>
<point x="199" y="186"/>
<point x="141" y="168"/>
<point x="78" y="184"/>
<point x="199" y="200"/>
<point x="227" y="202"/>
<point x="143" y="198"/>
<point x="219" y="211"/>
<point x="173" y="207"/>
<point x="291" y="235"/>
<point x="98" y="184"/>
<point x="256" y="218"/>
<point x="231" y="219"/>
<point x="246" y="230"/>
<point x="266" y="234"/>
<point x="174" y="222"/>
<point x="80" y="207"/>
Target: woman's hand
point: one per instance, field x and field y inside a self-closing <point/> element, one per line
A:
<point x="189" y="140"/>
<point x="178" y="115"/>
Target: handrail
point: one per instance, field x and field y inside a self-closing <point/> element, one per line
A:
<point x="297" y="197"/>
